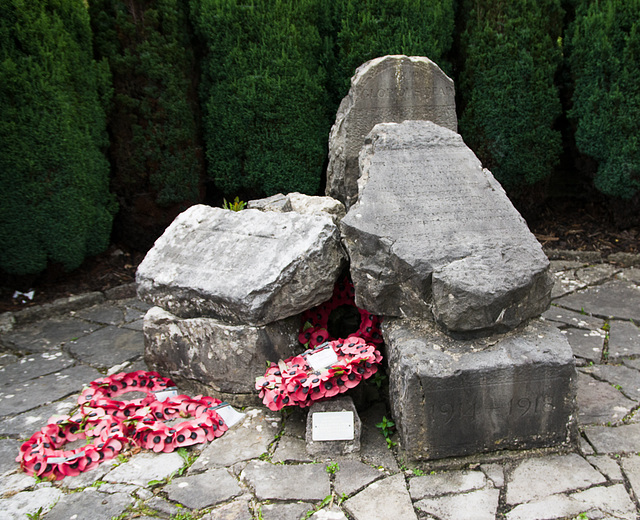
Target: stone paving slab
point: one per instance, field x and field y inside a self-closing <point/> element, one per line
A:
<point x="616" y="298"/>
<point x="624" y="340"/>
<point x="617" y="440"/>
<point x="105" y="314"/>
<point x="387" y="498"/>
<point x="47" y="335"/>
<point x="29" y="502"/>
<point x="474" y="505"/>
<point x="44" y="390"/>
<point x="23" y="425"/>
<point x="83" y="505"/>
<point x="204" y="489"/>
<point x="108" y="346"/>
<point x="561" y="473"/>
<point x="277" y="482"/>
<point x="34" y="365"/>
<point x="375" y="481"/>
<point x="600" y="403"/>
<point x="585" y="344"/>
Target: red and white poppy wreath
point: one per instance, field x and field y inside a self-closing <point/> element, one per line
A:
<point x="303" y="379"/>
<point x="157" y="422"/>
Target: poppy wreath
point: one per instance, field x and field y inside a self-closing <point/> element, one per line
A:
<point x="108" y="425"/>
<point x="315" y="320"/>
<point x="43" y="454"/>
<point x="100" y="393"/>
<point x="153" y="433"/>
<point x="294" y="382"/>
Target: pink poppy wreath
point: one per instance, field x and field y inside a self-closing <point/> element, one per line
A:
<point x="100" y="393"/>
<point x="42" y="455"/>
<point x="108" y="425"/>
<point x="294" y="382"/>
<point x="315" y="321"/>
<point x="153" y="433"/>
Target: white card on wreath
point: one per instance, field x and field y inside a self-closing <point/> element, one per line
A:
<point x="322" y="359"/>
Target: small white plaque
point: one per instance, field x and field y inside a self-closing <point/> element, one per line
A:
<point x="229" y="414"/>
<point x="322" y="359"/>
<point x="332" y="426"/>
<point x="163" y="395"/>
<point x="58" y="460"/>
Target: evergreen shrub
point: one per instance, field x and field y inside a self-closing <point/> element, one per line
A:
<point x="367" y="29"/>
<point x="155" y="146"/>
<point x="55" y="204"/>
<point x="604" y="56"/>
<point x="510" y="53"/>
<point x="265" y="110"/>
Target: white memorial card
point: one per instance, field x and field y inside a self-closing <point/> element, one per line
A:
<point x="229" y="414"/>
<point x="332" y="426"/>
<point x="322" y="359"/>
<point x="163" y="395"/>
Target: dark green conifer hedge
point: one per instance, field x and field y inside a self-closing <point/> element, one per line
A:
<point x="367" y="29"/>
<point x="265" y="110"/>
<point x="156" y="153"/>
<point x="55" y="204"/>
<point x="604" y="50"/>
<point x="510" y="52"/>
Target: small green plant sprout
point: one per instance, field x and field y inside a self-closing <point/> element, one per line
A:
<point x="581" y="516"/>
<point x="378" y="379"/>
<point x="387" y="427"/>
<point x="418" y="472"/>
<point x="36" y="515"/>
<point x="236" y="205"/>
<point x="606" y="327"/>
<point x="332" y="468"/>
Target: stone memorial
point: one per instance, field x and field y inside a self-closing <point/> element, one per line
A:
<point x="229" y="287"/>
<point x="207" y="356"/>
<point x="434" y="234"/>
<point x="245" y="268"/>
<point x="335" y="443"/>
<point x="386" y="89"/>
<point x="453" y="397"/>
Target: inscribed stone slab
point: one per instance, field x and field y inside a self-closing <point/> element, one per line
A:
<point x="432" y="232"/>
<point x="453" y="397"/>
<point x="386" y="89"/>
<point x="248" y="267"/>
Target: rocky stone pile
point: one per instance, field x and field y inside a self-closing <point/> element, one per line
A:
<point x="432" y="244"/>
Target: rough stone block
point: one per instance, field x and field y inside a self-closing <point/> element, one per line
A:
<point x="246" y="267"/>
<point x="337" y="447"/>
<point x="386" y="89"/>
<point x="225" y="358"/>
<point x="458" y="397"/>
<point x="434" y="233"/>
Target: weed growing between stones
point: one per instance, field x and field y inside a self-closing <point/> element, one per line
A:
<point x="387" y="427"/>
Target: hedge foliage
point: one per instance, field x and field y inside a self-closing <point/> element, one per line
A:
<point x="367" y="29"/>
<point x="604" y="50"/>
<point x="510" y="52"/>
<point x="55" y="204"/>
<point x="155" y="145"/>
<point x="265" y="107"/>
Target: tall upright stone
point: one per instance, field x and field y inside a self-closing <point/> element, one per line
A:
<point x="434" y="234"/>
<point x="386" y="89"/>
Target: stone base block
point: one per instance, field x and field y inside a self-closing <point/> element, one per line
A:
<point x="454" y="397"/>
<point x="210" y="357"/>
<point x="333" y="448"/>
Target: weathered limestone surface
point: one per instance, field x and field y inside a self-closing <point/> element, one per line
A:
<point x="300" y="203"/>
<point x="247" y="267"/>
<point x="457" y="397"/>
<point x="386" y="89"/>
<point x="434" y="233"/>
<point x="226" y="358"/>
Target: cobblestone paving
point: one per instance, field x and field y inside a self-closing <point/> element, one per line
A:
<point x="259" y="469"/>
